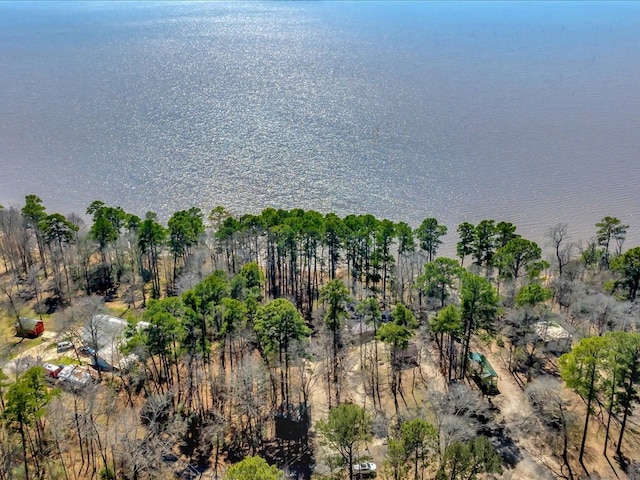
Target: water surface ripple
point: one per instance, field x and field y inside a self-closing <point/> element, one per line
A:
<point x="527" y="112"/>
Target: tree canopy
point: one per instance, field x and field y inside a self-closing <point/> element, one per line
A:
<point x="346" y="429"/>
<point x="253" y="468"/>
<point x="627" y="266"/>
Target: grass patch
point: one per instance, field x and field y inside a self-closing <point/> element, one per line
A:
<point x="118" y="309"/>
<point x="7" y="328"/>
<point x="66" y="360"/>
<point x="16" y="345"/>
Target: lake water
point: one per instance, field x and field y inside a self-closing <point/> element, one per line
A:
<point x="517" y="111"/>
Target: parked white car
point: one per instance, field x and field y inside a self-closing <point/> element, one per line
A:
<point x="365" y="470"/>
<point x="64" y="346"/>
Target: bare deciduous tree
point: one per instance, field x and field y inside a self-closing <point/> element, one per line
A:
<point x="556" y="421"/>
<point x="456" y="413"/>
<point x="562" y="249"/>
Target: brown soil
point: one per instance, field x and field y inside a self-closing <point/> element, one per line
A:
<point x="415" y="382"/>
<point x="515" y="411"/>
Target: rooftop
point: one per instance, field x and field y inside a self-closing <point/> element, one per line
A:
<point x="102" y="331"/>
<point x="487" y="369"/>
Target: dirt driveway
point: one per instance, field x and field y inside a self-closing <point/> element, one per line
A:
<point x="514" y="410"/>
<point x="42" y="352"/>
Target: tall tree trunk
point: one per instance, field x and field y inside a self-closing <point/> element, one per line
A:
<point x="565" y="448"/>
<point x="609" y="412"/>
<point x="24" y="451"/>
<point x="627" y="407"/>
<point x="586" y="420"/>
<point x="467" y="341"/>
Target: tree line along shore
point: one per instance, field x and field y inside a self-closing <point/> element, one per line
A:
<point x="289" y="342"/>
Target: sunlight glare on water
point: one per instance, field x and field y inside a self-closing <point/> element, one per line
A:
<point x="526" y="112"/>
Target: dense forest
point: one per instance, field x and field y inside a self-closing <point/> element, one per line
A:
<point x="299" y="344"/>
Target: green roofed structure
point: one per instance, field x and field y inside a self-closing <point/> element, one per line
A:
<point x="483" y="373"/>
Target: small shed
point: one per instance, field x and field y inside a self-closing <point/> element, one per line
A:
<point x="555" y="338"/>
<point x="362" y="331"/>
<point x="409" y="357"/>
<point x="29" y="327"/>
<point x="483" y="373"/>
<point x="293" y="423"/>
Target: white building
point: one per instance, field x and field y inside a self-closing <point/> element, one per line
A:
<point x="105" y="334"/>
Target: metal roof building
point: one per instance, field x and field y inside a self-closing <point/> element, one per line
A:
<point x="103" y="331"/>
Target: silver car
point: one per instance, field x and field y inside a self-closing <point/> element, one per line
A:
<point x="365" y="470"/>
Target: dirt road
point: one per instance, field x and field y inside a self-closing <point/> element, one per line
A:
<point x="42" y="352"/>
<point x="514" y="411"/>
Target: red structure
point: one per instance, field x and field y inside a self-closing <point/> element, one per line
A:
<point x="29" y="327"/>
